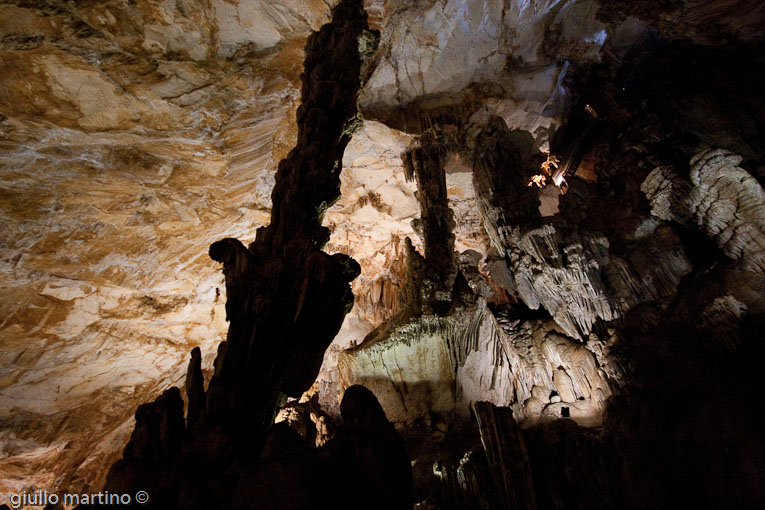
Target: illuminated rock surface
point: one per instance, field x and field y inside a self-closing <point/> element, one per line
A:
<point x="611" y="332"/>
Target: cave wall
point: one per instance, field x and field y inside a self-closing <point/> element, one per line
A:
<point x="286" y="301"/>
<point x="631" y="304"/>
<point x="646" y="282"/>
<point x="133" y="136"/>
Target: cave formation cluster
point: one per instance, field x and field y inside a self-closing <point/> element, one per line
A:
<point x="421" y="319"/>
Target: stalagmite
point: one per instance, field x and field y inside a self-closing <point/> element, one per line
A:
<point x="414" y="319"/>
<point x="286" y="299"/>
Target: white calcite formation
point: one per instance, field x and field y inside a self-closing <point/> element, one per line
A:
<point x="448" y="364"/>
<point x="463" y="200"/>
<point x="511" y="57"/>
<point x="576" y="278"/>
<point x="373" y="215"/>
<point x="722" y="200"/>
<point x="571" y="272"/>
<point x="371" y="221"/>
<point x="564" y="277"/>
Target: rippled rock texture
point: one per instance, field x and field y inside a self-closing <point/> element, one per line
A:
<point x="133" y="136"/>
<point x="596" y="348"/>
<point x="286" y="301"/>
<point x="722" y="200"/>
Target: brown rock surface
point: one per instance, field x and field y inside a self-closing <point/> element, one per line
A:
<point x="132" y="137"/>
<point x="611" y="332"/>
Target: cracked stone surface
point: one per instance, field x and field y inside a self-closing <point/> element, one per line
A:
<point x="506" y="57"/>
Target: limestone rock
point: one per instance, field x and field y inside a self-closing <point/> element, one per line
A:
<point x="691" y="19"/>
<point x="153" y="446"/>
<point x="425" y="163"/>
<point x="128" y="146"/>
<point x="280" y="287"/>
<point x="722" y="200"/>
<point x="722" y="318"/>
<point x="289" y="475"/>
<point x="415" y="368"/>
<point x="564" y="276"/>
<point x="372" y="452"/>
<point x="366" y="459"/>
<point x="458" y="52"/>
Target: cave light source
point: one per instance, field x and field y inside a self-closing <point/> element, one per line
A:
<point x="541" y="179"/>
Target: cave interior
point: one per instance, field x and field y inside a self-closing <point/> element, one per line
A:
<point x="439" y="254"/>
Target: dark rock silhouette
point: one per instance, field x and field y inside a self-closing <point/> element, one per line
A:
<point x="286" y="300"/>
<point x="370" y="454"/>
<point x="195" y="388"/>
<point x="366" y="461"/>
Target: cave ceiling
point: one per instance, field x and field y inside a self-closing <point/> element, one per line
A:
<point x="135" y="134"/>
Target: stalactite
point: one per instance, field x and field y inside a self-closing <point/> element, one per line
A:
<point x="425" y="163"/>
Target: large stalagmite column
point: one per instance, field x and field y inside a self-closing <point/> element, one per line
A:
<point x="286" y="300"/>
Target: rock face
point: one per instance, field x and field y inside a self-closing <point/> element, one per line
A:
<point x="502" y="50"/>
<point x="722" y="200"/>
<point x="195" y="388"/>
<point x="153" y="447"/>
<point x="366" y="459"/>
<point x="286" y="300"/>
<point x="549" y="316"/>
<point x="424" y="322"/>
<point x="425" y="164"/>
<point x="446" y="365"/>
<point x="125" y="131"/>
<point x="371" y="453"/>
<point x="507" y="455"/>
